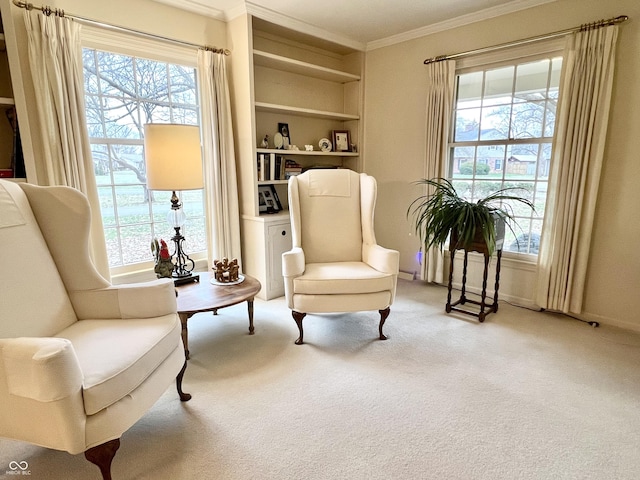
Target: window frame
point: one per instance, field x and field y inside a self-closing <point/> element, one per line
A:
<point x="148" y="48"/>
<point x="504" y="57"/>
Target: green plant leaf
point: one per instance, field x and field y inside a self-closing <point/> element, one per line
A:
<point x="442" y="212"/>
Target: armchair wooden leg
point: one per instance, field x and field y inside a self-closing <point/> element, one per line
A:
<point x="185" y="397"/>
<point x="297" y="316"/>
<point x="102" y="456"/>
<point x="383" y="317"/>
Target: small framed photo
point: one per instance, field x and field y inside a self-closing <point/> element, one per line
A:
<point x="268" y="200"/>
<point x="283" y="129"/>
<point x="341" y="141"/>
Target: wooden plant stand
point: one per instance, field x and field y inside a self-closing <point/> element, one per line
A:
<point x="485" y="308"/>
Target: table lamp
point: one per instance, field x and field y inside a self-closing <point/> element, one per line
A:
<point x="173" y="159"/>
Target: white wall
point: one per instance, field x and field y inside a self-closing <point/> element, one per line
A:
<point x="394" y="138"/>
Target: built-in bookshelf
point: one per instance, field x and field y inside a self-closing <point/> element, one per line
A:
<point x="314" y="87"/>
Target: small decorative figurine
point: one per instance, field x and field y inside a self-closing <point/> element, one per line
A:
<point x="265" y="142"/>
<point x="164" y="265"/>
<point x="226" y="271"/>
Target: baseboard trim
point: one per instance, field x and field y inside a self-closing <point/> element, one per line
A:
<point x="411" y="276"/>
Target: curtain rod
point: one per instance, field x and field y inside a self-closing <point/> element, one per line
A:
<point x="598" y="24"/>
<point x="61" y="13"/>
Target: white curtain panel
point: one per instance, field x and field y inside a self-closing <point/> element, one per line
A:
<point x="55" y="57"/>
<point x="581" y="129"/>
<point x="440" y="96"/>
<point x="221" y="192"/>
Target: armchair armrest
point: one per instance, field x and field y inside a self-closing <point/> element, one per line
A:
<point x="382" y="259"/>
<point x="45" y="369"/>
<point x="293" y="262"/>
<point x="135" y="300"/>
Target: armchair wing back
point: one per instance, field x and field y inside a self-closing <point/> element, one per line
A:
<point x="80" y="360"/>
<point x="335" y="264"/>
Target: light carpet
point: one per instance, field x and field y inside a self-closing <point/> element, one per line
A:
<point x="526" y="395"/>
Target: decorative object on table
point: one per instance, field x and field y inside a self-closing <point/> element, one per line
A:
<point x="283" y="129"/>
<point x="341" y="140"/>
<point x="308" y="148"/>
<point x="278" y="142"/>
<point x="293" y="148"/>
<point x="164" y="265"/>
<point x="325" y="144"/>
<point x="226" y="271"/>
<point x="268" y="200"/>
<point x="265" y="142"/>
<point x="470" y="226"/>
<point x="173" y="158"/>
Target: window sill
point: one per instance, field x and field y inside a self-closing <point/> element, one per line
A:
<point x="143" y="272"/>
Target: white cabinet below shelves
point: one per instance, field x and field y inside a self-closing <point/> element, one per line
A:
<point x="278" y="242"/>
<point x="265" y="239"/>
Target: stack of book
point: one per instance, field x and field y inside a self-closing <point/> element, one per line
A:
<point x="270" y="167"/>
<point x="291" y="169"/>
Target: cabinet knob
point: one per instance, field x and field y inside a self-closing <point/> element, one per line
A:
<point x="284" y="233"/>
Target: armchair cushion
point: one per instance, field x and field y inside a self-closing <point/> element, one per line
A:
<point x="331" y="229"/>
<point x="341" y="278"/>
<point x="116" y="356"/>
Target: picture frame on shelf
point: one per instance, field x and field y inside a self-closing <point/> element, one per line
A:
<point x="341" y="140"/>
<point x="268" y="200"/>
<point x="283" y="129"/>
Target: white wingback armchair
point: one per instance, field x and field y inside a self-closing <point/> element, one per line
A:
<point x="80" y="360"/>
<point x="335" y="264"/>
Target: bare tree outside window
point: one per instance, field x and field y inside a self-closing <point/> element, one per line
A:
<point x="122" y="93"/>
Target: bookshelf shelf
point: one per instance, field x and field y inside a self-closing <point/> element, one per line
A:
<point x="306" y="112"/>
<point x="278" y="62"/>
<point x="316" y="153"/>
<point x="273" y="182"/>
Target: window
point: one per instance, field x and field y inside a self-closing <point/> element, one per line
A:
<point x="123" y="93"/>
<point x="502" y="137"/>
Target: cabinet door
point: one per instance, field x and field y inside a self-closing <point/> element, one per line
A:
<point x="278" y="242"/>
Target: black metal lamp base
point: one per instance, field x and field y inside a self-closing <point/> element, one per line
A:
<point x="184" y="280"/>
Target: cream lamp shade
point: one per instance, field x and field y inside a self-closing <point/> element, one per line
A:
<point x="173" y="156"/>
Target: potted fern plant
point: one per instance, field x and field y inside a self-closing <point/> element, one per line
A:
<point x="470" y="225"/>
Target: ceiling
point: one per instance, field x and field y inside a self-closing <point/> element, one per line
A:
<point x="361" y="24"/>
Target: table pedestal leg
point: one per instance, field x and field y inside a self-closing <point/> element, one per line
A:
<point x="185" y="334"/>
<point x="250" y="308"/>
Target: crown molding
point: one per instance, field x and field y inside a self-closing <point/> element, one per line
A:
<point x="235" y="12"/>
<point x="460" y="21"/>
<point x="293" y="24"/>
<point x="196" y="6"/>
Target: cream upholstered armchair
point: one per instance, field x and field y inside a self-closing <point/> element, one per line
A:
<point x="335" y="264"/>
<point x="80" y="360"/>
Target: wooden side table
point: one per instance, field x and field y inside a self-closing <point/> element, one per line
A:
<point x="493" y="307"/>
<point x="204" y="297"/>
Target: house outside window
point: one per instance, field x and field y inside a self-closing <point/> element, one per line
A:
<point x="122" y="93"/>
<point x="503" y="135"/>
